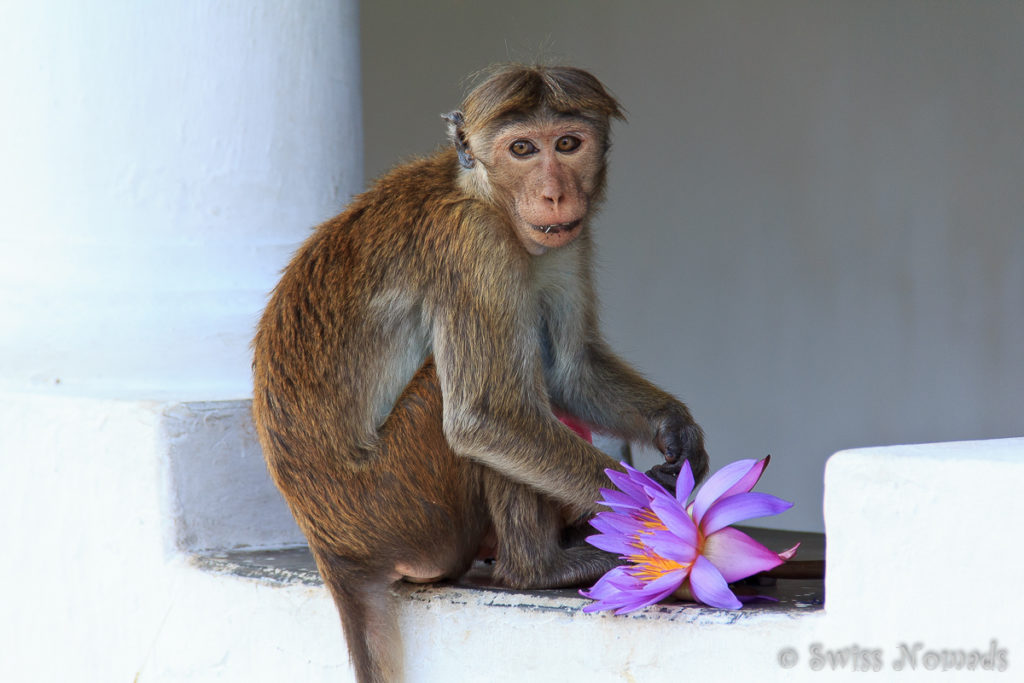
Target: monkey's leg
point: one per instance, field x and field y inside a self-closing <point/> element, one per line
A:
<point x="531" y="552"/>
<point x="417" y="513"/>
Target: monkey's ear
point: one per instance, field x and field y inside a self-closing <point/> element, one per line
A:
<point x="457" y="135"/>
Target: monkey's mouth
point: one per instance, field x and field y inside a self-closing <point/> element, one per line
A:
<point x="556" y="228"/>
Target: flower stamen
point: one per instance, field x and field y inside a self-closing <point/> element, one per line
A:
<point x="651" y="566"/>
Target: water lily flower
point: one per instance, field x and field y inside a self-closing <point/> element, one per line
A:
<point x="691" y="550"/>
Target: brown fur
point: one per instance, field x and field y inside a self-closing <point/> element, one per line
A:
<point x="408" y="363"/>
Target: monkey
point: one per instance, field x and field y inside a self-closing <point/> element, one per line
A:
<point x="409" y="364"/>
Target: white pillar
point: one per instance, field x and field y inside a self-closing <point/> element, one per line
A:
<point x="160" y="163"/>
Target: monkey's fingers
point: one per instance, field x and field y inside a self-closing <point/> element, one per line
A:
<point x="666" y="475"/>
<point x="680" y="439"/>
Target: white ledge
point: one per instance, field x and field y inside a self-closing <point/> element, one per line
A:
<point x="118" y="511"/>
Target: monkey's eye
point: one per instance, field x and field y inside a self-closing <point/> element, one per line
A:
<point x="568" y="143"/>
<point x="522" y="148"/>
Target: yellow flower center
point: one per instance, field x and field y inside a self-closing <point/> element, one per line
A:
<point x="650" y="566"/>
<point x="649" y="520"/>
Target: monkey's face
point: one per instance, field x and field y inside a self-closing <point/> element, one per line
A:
<point x="547" y="172"/>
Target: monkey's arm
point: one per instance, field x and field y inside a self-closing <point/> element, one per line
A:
<point x="496" y="408"/>
<point x="593" y="383"/>
<point x="670" y="426"/>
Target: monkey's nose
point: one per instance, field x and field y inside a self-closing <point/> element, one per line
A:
<point x="553" y="194"/>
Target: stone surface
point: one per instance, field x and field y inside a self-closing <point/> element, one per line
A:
<point x="296" y="566"/>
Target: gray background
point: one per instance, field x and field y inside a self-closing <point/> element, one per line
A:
<point x="813" y="232"/>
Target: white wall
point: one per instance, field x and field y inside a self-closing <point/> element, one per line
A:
<point x="160" y="162"/>
<point x="814" y="232"/>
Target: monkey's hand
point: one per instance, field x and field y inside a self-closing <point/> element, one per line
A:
<point x="680" y="439"/>
<point x="666" y="475"/>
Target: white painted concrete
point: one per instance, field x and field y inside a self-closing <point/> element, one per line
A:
<point x="102" y="499"/>
<point x="923" y="553"/>
<point x="160" y="163"/>
<point x="220" y="493"/>
<point x="930" y="537"/>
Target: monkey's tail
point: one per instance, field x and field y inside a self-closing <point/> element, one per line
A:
<point x="368" y="619"/>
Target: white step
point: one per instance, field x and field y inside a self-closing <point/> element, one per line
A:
<point x="129" y="525"/>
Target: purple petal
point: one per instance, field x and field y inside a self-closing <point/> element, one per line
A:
<point x="614" y="581"/>
<point x="655" y="491"/>
<point x="654" y="591"/>
<point x="621" y="591"/>
<point x="618" y="500"/>
<point x="719" y="483"/>
<point x="636" y="476"/>
<point x="670" y="546"/>
<point x="612" y="543"/>
<point x="737" y="555"/>
<point x="615" y="590"/>
<point x="788" y="553"/>
<point x="623" y="483"/>
<point x="676" y="520"/>
<point x="709" y="586"/>
<point x="614" y="523"/>
<point x="684" y="484"/>
<point x="748" y="480"/>
<point x="740" y="507"/>
<point x="631" y="483"/>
